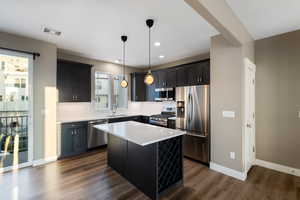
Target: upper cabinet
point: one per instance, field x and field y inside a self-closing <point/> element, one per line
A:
<point x="73" y="81"/>
<point x="198" y="73"/>
<point x="138" y="87"/>
<point x="182" y="76"/>
<point x="166" y="78"/>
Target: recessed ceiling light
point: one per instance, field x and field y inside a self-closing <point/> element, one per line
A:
<point x="161" y="56"/>
<point x="157" y="44"/>
<point x="118" y="61"/>
<point x="51" y="31"/>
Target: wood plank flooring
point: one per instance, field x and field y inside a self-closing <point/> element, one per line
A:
<point x="88" y="177"/>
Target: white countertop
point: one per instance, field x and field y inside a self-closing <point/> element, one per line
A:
<point x="139" y="133"/>
<point x="96" y="117"/>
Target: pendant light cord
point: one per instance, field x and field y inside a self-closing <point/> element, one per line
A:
<point x="123" y="60"/>
<point x="149" y="49"/>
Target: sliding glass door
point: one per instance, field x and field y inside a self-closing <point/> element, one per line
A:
<point x="15" y="110"/>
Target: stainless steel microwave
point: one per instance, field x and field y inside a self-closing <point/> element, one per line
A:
<point x="165" y="94"/>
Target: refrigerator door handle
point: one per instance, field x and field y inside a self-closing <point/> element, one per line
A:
<point x="189" y="106"/>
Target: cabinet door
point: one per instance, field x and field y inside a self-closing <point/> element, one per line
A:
<point x="206" y="72"/>
<point x="73" y="81"/>
<point x="64" y="81"/>
<point x="66" y="141"/>
<point x="156" y="79"/>
<point x="138" y="87"/>
<point x="195" y="74"/>
<point x="171" y="78"/>
<point x="162" y="79"/>
<point x="182" y="76"/>
<point x="83" y="93"/>
<point x="79" y="139"/>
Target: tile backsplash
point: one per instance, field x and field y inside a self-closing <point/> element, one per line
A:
<point x="71" y="110"/>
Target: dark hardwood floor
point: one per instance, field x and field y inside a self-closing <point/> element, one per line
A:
<point x="88" y="177"/>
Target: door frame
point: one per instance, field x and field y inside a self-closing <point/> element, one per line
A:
<point x="30" y="109"/>
<point x="248" y="66"/>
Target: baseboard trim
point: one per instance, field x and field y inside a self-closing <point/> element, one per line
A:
<point x="44" y="161"/>
<point x="278" y="167"/>
<point x="227" y="171"/>
<point x="16" y="167"/>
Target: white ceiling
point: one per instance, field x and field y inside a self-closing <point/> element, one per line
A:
<point x="265" y="18"/>
<point x="93" y="28"/>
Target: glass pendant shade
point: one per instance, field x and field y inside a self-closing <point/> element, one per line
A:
<point x="124" y="83"/>
<point x="149" y="79"/>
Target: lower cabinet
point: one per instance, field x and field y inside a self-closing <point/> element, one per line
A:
<point x="73" y="139"/>
<point x="74" y="135"/>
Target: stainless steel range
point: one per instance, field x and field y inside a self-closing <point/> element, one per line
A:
<point x="162" y="119"/>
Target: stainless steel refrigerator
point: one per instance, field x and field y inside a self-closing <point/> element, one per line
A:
<point x="193" y="115"/>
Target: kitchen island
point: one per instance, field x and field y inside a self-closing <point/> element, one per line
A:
<point x="149" y="157"/>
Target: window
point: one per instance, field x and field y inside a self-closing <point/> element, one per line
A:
<point x="3" y="65"/>
<point x="17" y="83"/>
<point x="102" y="91"/>
<point x="120" y="93"/>
<point x="23" y="83"/>
<point x="108" y="91"/>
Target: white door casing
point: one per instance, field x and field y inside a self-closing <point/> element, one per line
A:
<point x="249" y="122"/>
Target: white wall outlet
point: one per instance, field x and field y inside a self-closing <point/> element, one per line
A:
<point x="228" y="114"/>
<point x="232" y="155"/>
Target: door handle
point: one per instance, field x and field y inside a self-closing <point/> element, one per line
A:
<point x="249" y="126"/>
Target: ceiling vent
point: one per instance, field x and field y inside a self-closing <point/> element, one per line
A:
<point x="51" y="31"/>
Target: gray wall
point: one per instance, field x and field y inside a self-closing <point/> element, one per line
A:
<point x="227" y="78"/>
<point x="44" y="91"/>
<point x="226" y="134"/>
<point x="278" y="99"/>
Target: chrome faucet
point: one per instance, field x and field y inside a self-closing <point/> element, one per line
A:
<point x="114" y="109"/>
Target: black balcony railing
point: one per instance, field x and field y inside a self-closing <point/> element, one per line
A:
<point x="13" y="124"/>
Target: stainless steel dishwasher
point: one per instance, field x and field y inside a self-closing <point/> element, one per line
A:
<point x="95" y="137"/>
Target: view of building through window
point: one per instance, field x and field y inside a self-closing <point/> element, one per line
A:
<point x="13" y="110"/>
<point x="108" y="91"/>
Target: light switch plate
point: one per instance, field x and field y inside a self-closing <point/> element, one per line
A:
<point x="298" y="114"/>
<point x="228" y="114"/>
<point x="232" y="155"/>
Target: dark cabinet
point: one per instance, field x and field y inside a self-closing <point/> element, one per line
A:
<point x="73" y="81"/>
<point x="150" y="89"/>
<point x="199" y="73"/>
<point x="124" y="119"/>
<point x="166" y="78"/>
<point x="182" y="76"/>
<point x="162" y="78"/>
<point x="138" y="87"/>
<point x="194" y="74"/>
<point x="73" y="139"/>
<point x="171" y="78"/>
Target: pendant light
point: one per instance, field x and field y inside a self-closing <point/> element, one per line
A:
<point x="149" y="79"/>
<point x="124" y="83"/>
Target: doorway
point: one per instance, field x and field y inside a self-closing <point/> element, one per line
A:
<point x="16" y="132"/>
<point x="249" y="122"/>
